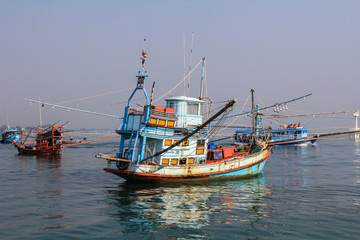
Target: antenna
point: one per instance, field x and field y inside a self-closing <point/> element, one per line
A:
<point x="192" y="44"/>
<point x="184" y="64"/>
<point x="143" y="57"/>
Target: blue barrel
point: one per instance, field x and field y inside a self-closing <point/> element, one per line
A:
<point x="211" y="146"/>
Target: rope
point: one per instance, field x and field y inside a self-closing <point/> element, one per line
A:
<point x="215" y="130"/>
<point x="99" y="95"/>
<point x="242" y="109"/>
<point x="179" y="82"/>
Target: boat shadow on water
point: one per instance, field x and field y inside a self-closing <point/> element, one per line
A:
<point x="190" y="206"/>
<point x="43" y="161"/>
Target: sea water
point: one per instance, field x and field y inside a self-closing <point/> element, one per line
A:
<point x="310" y="192"/>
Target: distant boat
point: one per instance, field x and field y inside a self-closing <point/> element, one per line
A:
<point x="283" y="136"/>
<point x="48" y="141"/>
<point x="294" y="134"/>
<point x="172" y="144"/>
<point x="10" y="135"/>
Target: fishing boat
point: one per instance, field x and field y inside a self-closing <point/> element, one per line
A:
<point x="292" y="134"/>
<point x="10" y="135"/>
<point x="172" y="143"/>
<point x="48" y="141"/>
<point x="282" y="136"/>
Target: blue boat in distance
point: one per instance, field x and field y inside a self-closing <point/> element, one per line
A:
<point x="283" y="136"/>
<point x="10" y="135"/>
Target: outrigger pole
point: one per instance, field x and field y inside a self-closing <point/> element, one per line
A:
<point x="275" y="106"/>
<point x="71" y="109"/>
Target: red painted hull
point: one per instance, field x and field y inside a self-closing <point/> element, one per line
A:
<point x="55" y="150"/>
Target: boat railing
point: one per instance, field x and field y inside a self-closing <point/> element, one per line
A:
<point x="163" y="114"/>
<point x="135" y="111"/>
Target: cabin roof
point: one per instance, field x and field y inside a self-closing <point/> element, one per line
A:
<point x="276" y="130"/>
<point x="184" y="98"/>
<point x="244" y="131"/>
<point x="290" y="129"/>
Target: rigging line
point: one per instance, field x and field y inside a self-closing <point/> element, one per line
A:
<point x="219" y="124"/>
<point x="121" y="103"/>
<point x="94" y="96"/>
<point x="259" y="99"/>
<point x="310" y="114"/>
<point x="242" y="109"/>
<point x="180" y="81"/>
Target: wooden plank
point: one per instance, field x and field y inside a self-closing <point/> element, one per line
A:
<point x="112" y="158"/>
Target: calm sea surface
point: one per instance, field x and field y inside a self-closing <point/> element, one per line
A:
<point x="304" y="193"/>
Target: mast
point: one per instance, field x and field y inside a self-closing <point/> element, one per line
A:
<point x="141" y="77"/>
<point x="191" y="50"/>
<point x="202" y="79"/>
<point x="253" y="109"/>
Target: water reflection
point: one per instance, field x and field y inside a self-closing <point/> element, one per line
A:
<point x="293" y="150"/>
<point x="46" y="192"/>
<point x="145" y="207"/>
<point x="42" y="161"/>
<point x="357" y="164"/>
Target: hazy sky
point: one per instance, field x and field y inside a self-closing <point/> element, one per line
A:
<point x="67" y="50"/>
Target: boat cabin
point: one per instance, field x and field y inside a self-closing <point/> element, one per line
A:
<point x="156" y="128"/>
<point x="187" y="109"/>
<point x="289" y="133"/>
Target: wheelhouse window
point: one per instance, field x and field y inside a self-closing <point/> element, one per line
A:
<point x="200" y="143"/>
<point x="168" y="142"/>
<point x="193" y="109"/>
<point x="200" y="147"/>
<point x="182" y="161"/>
<point x="153" y="120"/>
<point x="162" y="122"/>
<point x="170" y="123"/>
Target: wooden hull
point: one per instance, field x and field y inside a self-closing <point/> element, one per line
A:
<point x="55" y="150"/>
<point x="234" y="167"/>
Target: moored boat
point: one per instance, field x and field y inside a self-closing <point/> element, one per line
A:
<point x="172" y="143"/>
<point x="281" y="136"/>
<point x="48" y="141"/>
<point x="10" y="135"/>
